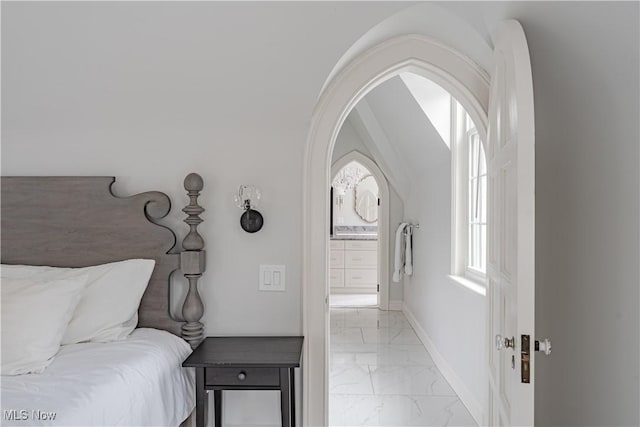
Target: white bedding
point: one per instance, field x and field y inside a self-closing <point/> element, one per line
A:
<point x="135" y="382"/>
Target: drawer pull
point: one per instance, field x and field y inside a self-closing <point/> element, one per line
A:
<point x="357" y="277"/>
<point x="357" y="259"/>
<point x="242" y="376"/>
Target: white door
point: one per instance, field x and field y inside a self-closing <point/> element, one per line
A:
<point x="510" y="155"/>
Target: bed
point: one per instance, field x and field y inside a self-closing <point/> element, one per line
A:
<point x="78" y="222"/>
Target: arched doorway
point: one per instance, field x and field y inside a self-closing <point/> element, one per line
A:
<point x="419" y="55"/>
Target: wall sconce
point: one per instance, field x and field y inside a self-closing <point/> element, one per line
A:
<point x="248" y="198"/>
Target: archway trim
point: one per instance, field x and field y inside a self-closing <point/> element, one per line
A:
<point x="466" y="81"/>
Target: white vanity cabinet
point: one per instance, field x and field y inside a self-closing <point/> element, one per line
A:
<point x="336" y="263"/>
<point x="354" y="265"/>
<point x="336" y="277"/>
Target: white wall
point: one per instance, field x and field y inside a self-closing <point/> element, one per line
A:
<point x="347" y="141"/>
<point x="450" y="317"/>
<point x="149" y="92"/>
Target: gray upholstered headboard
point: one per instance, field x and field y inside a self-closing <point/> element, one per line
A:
<point x="78" y="222"/>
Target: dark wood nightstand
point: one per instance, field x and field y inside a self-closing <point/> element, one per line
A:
<point x="245" y="363"/>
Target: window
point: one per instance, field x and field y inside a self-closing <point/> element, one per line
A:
<point x="469" y="190"/>
<point x="476" y="208"/>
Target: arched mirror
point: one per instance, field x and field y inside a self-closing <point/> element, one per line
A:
<point x="366" y="199"/>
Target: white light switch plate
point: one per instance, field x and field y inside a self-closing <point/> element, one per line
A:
<point x="272" y="278"/>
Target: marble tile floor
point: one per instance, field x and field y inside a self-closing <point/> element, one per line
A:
<point x="381" y="374"/>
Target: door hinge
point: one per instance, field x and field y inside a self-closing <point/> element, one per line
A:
<point x="378" y="287"/>
<point x="378" y="201"/>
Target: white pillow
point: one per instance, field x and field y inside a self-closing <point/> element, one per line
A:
<point x="35" y="314"/>
<point x="108" y="309"/>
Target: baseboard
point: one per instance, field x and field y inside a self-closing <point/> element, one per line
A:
<point x="465" y="395"/>
<point x="395" y="305"/>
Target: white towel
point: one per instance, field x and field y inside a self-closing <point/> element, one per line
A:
<point x="408" y="255"/>
<point x="397" y="265"/>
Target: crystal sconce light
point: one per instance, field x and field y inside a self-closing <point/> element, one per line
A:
<point x="345" y="180"/>
<point x="247" y="199"/>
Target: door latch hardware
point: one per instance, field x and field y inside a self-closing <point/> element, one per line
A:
<point x="505" y="342"/>
<point x="525" y="357"/>
<point x="543" y="346"/>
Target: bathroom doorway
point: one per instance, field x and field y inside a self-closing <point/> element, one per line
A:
<point x="353" y="234"/>
<point x="358" y="228"/>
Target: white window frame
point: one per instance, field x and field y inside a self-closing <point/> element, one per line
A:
<point x="471" y="271"/>
<point x="461" y="272"/>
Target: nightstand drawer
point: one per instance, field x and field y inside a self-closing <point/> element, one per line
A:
<point x="243" y="377"/>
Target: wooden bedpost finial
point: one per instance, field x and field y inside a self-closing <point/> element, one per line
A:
<point x="193" y="183"/>
<point x="192" y="262"/>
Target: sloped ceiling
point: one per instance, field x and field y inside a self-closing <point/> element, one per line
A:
<point x="401" y="138"/>
<point x="375" y="139"/>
